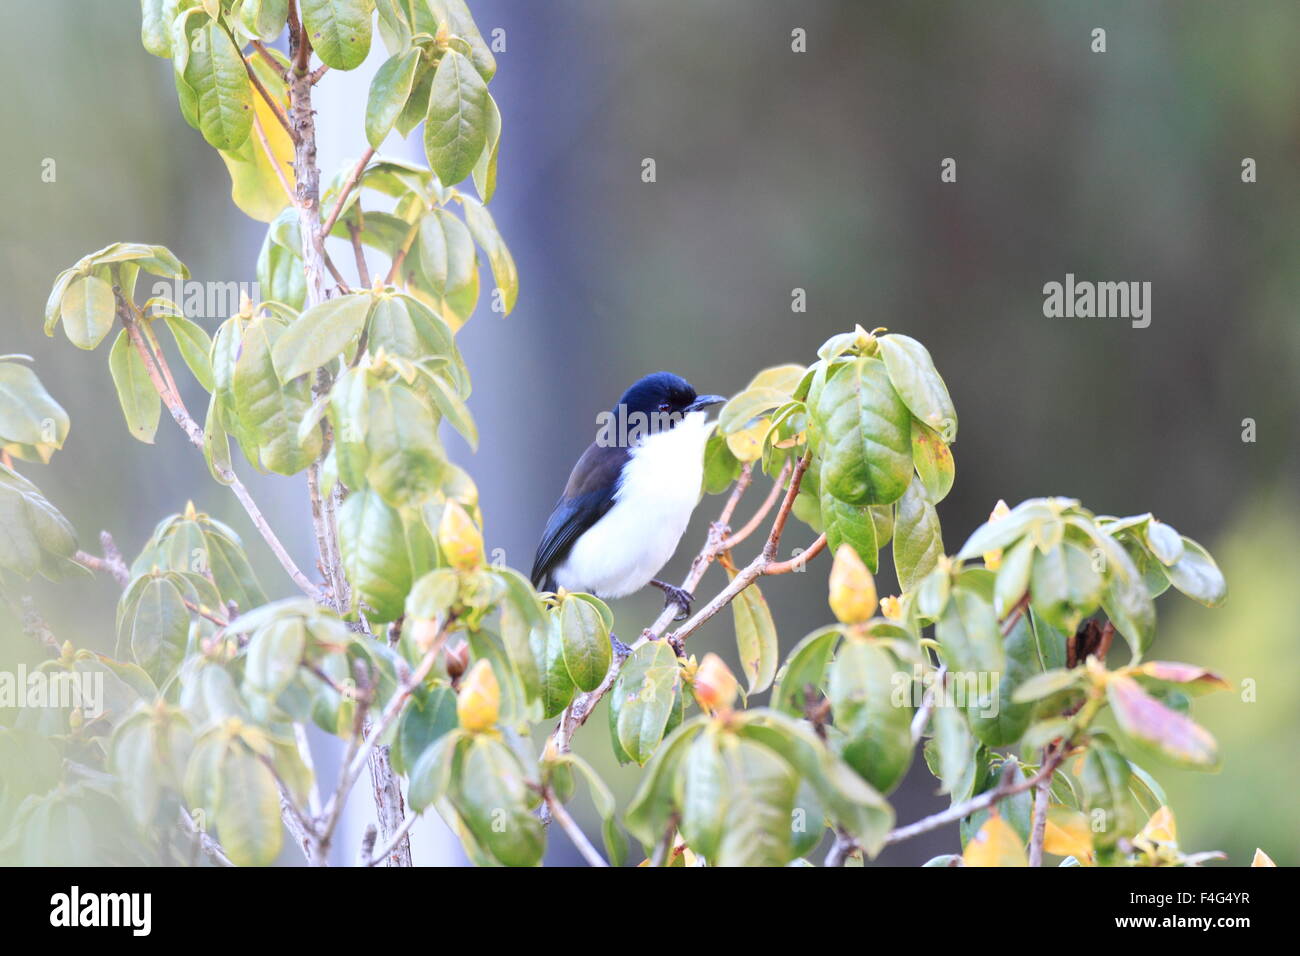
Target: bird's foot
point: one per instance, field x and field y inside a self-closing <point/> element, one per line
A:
<point x="674" y="595"/>
<point x="621" y="650"/>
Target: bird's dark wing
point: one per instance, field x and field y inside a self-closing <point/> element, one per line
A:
<point x="587" y="496"/>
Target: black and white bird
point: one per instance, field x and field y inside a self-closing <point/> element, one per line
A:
<point x="630" y="496"/>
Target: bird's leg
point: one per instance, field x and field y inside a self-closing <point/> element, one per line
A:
<point x="675" y="595"/>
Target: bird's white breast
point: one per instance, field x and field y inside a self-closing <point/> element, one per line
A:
<point x="660" y="488"/>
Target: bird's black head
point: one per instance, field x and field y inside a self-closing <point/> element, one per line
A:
<point x="664" y="398"/>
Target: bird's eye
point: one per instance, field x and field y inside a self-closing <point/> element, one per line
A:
<point x="665" y="406"/>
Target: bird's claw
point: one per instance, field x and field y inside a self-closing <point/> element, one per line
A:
<point x="681" y="598"/>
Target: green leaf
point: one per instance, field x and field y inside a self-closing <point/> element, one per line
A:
<point x="88" y="310"/>
<point x="155" y="27"/>
<point x="374" y="553"/>
<point x="456" y="125"/>
<point x="264" y="18"/>
<point x="1158" y="730"/>
<point x="492" y="795"/>
<point x="215" y="72"/>
<point x="426" y="720"/>
<point x="29" y="415"/>
<point x="642" y="699"/>
<point x="720" y="466"/>
<point x="389" y="91"/>
<point x="248" y="811"/>
<point x="140" y="403"/>
<point x="865" y="435"/>
<point x="760" y="791"/>
<point x="159" y="628"/>
<point x="269" y="411"/>
<point x="485" y="170"/>
<point x="320" y="335"/>
<point x="917" y="381"/>
<point x="339" y="30"/>
<point x="195" y="347"/>
<point x="406" y="461"/>
<point x="968" y="633"/>
<point x="756" y="640"/>
<point x="484" y="229"/>
<point x="556" y="685"/>
<point x="918" y="538"/>
<point x="997" y="717"/>
<point x="448" y="262"/>
<point x="273" y="655"/>
<point x="453" y="409"/>
<point x="586" y="645"/>
<point x="956" y="748"/>
<point x="850" y="801"/>
<point x="1105" y="777"/>
<point x="849" y="524"/>
<point x="1197" y="575"/>
<point x="704" y="794"/>
<point x="876" y="725"/>
<point x="806" y="666"/>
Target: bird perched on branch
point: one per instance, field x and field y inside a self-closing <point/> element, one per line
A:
<point x="630" y="496"/>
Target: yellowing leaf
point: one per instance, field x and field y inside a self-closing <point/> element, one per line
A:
<point x="1068" y="834"/>
<point x="747" y="444"/>
<point x="1161" y="827"/>
<point x="996" y="844"/>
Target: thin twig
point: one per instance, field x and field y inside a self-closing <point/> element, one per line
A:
<point x="153" y="365"/>
<point x="753" y="523"/>
<point x="271" y="101"/>
<point x="1039" y="832"/>
<point x="574" y="832"/>
<point x="346" y="190"/>
<point x="210" y="847"/>
<point x="1007" y="787"/>
<point x="398" y="836"/>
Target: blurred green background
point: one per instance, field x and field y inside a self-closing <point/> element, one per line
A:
<point x="779" y="170"/>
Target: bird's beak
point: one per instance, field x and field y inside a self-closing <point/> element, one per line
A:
<point x="705" y="401"/>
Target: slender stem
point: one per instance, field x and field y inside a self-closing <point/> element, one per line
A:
<point x="271" y="101"/>
<point x="1007" y="787"/>
<point x="155" y="364"/>
<point x="1039" y="833"/>
<point x="209" y="846"/>
<point x="398" y="837"/>
<point x="393" y="710"/>
<point x="574" y="832"/>
<point x="348" y="185"/>
<point x="396" y="269"/>
<point x="753" y="523"/>
<point x="271" y="158"/>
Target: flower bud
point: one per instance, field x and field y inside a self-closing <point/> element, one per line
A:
<point x="457" y="659"/>
<point x="423" y="634"/>
<point x="459" y="538"/>
<point x="993" y="559"/>
<point x="892" y="607"/>
<point x="715" y="685"/>
<point x="478" y="705"/>
<point x="852" y="594"/>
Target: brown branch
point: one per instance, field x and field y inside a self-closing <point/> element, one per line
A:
<point x="155" y="364"/>
<point x="396" y="269"/>
<point x="393" y="710"/>
<point x="269" y="57"/>
<point x="271" y="101"/>
<point x="348" y="185"/>
<point x="206" y="843"/>
<point x="753" y="523"/>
